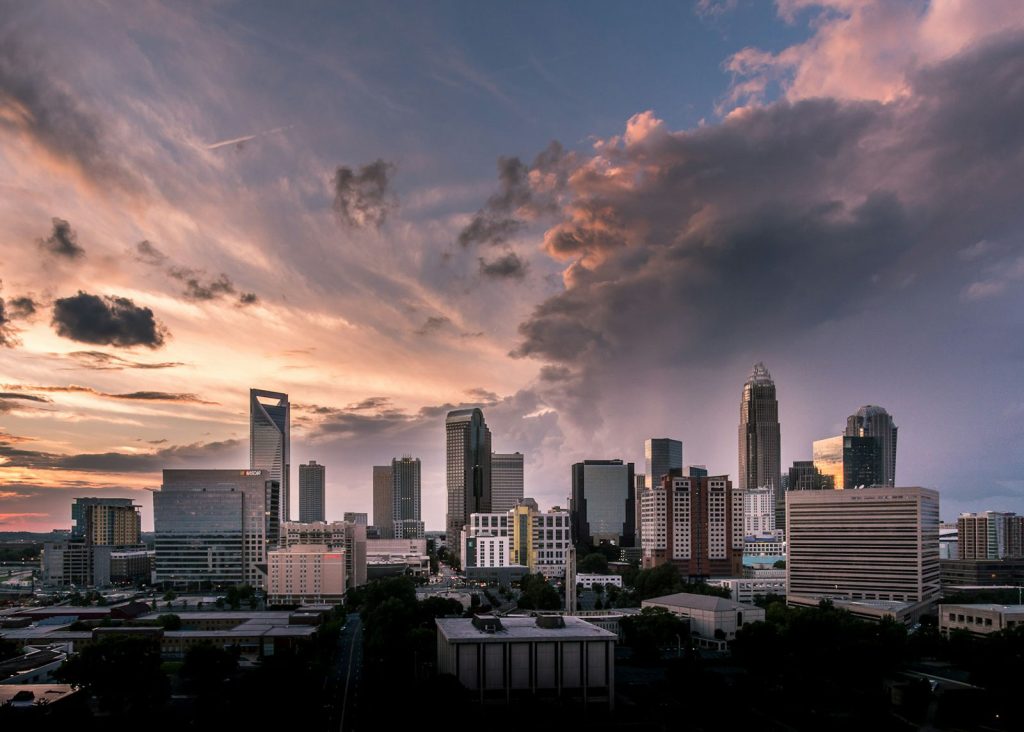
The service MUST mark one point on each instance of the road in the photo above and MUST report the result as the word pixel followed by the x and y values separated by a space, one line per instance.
pixel 346 675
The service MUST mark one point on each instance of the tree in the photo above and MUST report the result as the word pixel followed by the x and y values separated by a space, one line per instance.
pixel 170 621
pixel 595 563
pixel 207 666
pixel 780 564
pixel 170 595
pixel 537 594
pixel 121 671
pixel 651 629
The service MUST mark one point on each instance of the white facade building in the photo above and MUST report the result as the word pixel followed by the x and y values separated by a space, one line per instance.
pixel 758 511
pixel 589 580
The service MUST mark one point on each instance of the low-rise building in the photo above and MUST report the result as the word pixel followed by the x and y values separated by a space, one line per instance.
pixel 979 619
pixel 589 580
pixel 747 589
pixel 711 618
pixel 505 658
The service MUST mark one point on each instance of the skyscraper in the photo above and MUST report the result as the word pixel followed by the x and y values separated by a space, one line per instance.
pixel 661 454
pixel 468 455
pixel 873 421
pixel 804 476
pixel 760 457
pixel 312 481
pixel 270 440
pixel 383 501
pixel 847 462
pixel 603 503
pixel 405 496
pixel 506 481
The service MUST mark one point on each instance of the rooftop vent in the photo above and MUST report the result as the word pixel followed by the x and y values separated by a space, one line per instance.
pixel 550 622
pixel 486 623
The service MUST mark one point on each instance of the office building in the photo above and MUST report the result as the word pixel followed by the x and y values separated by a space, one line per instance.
pixel 501 659
pixel 603 503
pixel 270 441
pixel 804 476
pixel 956 574
pixel 389 557
pixel 695 523
pixel 758 511
pixel 383 501
pixel 868 544
pixel 848 462
pixel 468 458
pixel 106 521
pixel 214 527
pixel 709 617
pixel 312 483
pixel 980 619
pixel 990 535
pixel 760 457
pixel 552 542
pixel 526 537
pixel 355 518
pixel 334 535
pixel 71 561
pixel 661 454
pixel 304 574
pixel 874 422
pixel 405 496
pixel 506 480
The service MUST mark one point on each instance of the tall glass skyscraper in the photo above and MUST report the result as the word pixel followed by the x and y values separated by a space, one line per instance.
pixel 269 440
pixel 405 493
pixel 603 503
pixel 468 456
pixel 873 421
pixel 661 455
pixel 312 487
pixel 760 456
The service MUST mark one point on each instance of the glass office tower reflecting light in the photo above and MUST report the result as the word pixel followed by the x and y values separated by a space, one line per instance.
pixel 874 422
pixel 269 440
pixel 661 455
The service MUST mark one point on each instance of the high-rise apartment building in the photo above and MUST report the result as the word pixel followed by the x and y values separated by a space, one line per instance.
pixel 383 501
pixel 603 503
pixel 106 521
pixel 758 511
pixel 990 535
pixel 215 526
pixel 877 543
pixel 312 485
pixel 874 422
pixel 506 480
pixel 695 523
pixel 303 574
pixel 270 440
pixel 468 458
pixel 405 496
pixel 524 536
pixel 346 535
pixel 661 454
pixel 760 457
pixel 848 462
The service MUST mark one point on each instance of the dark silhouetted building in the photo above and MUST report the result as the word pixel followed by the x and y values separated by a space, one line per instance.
pixel 603 503
pixel 312 489
pixel 760 456
pixel 383 501
pixel 874 422
pixel 468 458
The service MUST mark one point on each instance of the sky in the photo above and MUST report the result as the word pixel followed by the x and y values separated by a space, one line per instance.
pixel 588 218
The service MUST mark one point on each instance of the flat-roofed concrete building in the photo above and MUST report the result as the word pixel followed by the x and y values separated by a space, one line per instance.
pixel 215 526
pixel 506 658
pixel 305 574
pixel 870 544
pixel 979 619
pixel 708 615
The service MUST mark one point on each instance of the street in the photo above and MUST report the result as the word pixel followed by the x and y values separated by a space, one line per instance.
pixel 346 675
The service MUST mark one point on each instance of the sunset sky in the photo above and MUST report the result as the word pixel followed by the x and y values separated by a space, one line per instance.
pixel 588 218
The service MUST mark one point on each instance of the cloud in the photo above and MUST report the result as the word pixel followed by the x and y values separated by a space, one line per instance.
pixel 434 324
pixel 22 391
pixel 107 320
pixel 7 331
pixel 36 105
pixel 198 453
pixel 147 253
pixel 9 402
pixel 100 361
pixel 22 308
pixel 524 193
pixel 248 298
pixel 62 241
pixel 508 266
pixel 363 197
pixel 377 402
pixel 682 247
pixel 198 288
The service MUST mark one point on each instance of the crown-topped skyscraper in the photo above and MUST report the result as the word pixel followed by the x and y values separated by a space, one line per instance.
pixel 760 457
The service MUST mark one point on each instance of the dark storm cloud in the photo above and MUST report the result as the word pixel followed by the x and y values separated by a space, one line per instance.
pixel 248 298
pixel 363 197
pixel 10 401
pixel 62 241
pixel 115 462
pixel 147 253
pixel 39 105
pixel 7 331
pixel 21 308
pixel 519 196
pixel 100 361
pixel 508 266
pixel 778 219
pixel 107 320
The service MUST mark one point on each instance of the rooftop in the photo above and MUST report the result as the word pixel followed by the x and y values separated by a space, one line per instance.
pixel 521 628
pixel 990 606
pixel 691 601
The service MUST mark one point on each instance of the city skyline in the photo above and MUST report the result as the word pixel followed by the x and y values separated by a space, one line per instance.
pixel 200 199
